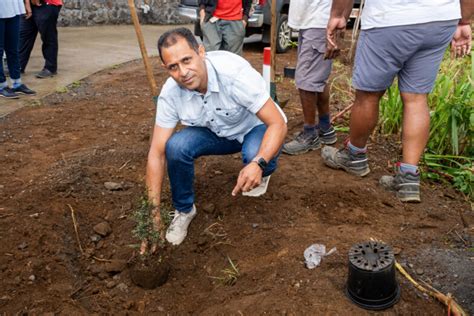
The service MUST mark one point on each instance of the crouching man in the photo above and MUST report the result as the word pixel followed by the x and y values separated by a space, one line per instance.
pixel 226 109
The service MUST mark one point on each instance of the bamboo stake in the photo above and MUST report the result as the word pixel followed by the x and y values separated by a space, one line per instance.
pixel 141 43
pixel 445 299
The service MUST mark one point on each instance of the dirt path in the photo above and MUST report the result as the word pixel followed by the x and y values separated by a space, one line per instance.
pixel 63 151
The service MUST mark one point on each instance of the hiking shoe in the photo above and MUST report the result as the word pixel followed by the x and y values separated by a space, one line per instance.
pixel 45 73
pixel 328 137
pixel 302 144
pixel 343 159
pixel 23 89
pixel 406 186
pixel 178 228
pixel 8 93
pixel 260 189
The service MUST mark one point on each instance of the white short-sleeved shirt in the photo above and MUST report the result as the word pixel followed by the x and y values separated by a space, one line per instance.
pixel 384 13
pixel 305 14
pixel 235 93
pixel 11 8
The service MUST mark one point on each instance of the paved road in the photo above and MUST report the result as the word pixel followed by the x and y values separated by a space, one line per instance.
pixel 82 52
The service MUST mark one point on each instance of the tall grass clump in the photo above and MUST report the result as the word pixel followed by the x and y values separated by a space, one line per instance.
pixel 450 149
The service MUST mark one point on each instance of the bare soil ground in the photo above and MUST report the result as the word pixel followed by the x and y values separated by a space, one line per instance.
pixel 62 152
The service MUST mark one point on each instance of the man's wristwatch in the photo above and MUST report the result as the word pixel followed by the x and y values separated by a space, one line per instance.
pixel 262 163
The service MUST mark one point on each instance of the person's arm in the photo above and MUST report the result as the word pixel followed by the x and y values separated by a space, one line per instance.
pixel 462 39
pixel 251 175
pixel 340 11
pixel 29 13
pixel 155 169
pixel 246 6
pixel 36 2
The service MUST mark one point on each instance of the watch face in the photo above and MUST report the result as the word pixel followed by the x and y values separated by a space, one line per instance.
pixel 262 163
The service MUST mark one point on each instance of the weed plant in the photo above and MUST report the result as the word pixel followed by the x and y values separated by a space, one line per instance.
pixel 450 149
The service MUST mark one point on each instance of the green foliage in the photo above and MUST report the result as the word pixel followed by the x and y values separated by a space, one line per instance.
pixel 450 147
pixel 144 223
pixel 229 275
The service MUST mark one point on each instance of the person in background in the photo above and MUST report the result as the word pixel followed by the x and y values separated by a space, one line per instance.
pixel 10 15
pixel 45 15
pixel 400 38
pixel 312 73
pixel 223 24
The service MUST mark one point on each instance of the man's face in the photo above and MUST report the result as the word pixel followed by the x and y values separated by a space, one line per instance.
pixel 185 65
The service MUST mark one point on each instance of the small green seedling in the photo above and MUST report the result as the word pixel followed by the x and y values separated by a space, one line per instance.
pixel 229 275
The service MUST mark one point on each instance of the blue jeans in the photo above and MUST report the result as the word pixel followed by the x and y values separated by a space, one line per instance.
pixel 9 41
pixel 190 143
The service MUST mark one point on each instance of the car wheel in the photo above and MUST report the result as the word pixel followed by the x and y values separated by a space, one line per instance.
pixel 283 34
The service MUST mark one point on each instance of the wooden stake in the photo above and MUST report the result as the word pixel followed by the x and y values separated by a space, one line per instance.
pixel 75 228
pixel 141 43
pixel 273 41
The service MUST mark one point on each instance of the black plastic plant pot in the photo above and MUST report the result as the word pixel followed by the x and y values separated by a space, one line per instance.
pixel 371 283
pixel 289 72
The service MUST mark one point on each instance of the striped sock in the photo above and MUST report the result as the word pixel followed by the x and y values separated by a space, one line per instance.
pixel 356 150
pixel 408 168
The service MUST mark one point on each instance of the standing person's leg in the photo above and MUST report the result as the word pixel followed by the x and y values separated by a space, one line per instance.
pixel 12 36
pixel 416 80
pixel 379 57
pixel 47 26
pixel 211 36
pixel 250 148
pixel 5 91
pixel 28 33
pixel 182 149
pixel 312 73
pixel 233 34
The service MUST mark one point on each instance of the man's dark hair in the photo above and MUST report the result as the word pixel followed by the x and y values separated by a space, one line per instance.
pixel 169 38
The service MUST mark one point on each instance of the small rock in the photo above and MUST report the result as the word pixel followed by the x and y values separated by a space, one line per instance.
pixel 411 265
pixel 254 225
pixel 34 215
pixel 209 207
pixel 103 229
pixel 110 284
pixel 115 266
pixel 22 246
pixel 161 309
pixel 32 277
pixel 113 186
pixel 419 271
pixel 123 287
pixel 455 275
pixel 128 304
pixel 95 238
pixel 297 285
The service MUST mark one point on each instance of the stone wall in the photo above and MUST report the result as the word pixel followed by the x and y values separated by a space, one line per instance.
pixel 94 12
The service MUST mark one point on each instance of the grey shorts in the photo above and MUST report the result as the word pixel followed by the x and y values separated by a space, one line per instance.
pixel 413 52
pixel 312 71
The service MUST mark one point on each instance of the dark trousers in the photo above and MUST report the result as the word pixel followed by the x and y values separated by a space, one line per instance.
pixel 44 21
pixel 9 34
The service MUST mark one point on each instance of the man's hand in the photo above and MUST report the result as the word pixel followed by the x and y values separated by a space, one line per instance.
pixel 334 35
pixel 36 2
pixel 249 177
pixel 245 23
pixel 461 43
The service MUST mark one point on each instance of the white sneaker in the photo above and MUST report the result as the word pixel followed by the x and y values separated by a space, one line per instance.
pixel 178 228
pixel 260 190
